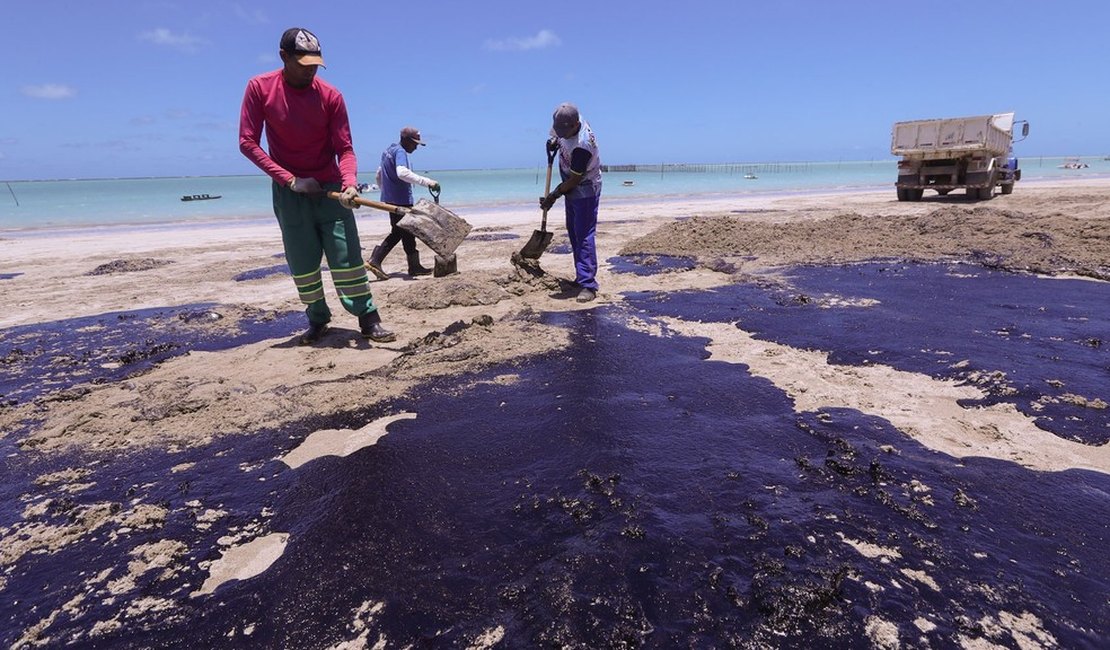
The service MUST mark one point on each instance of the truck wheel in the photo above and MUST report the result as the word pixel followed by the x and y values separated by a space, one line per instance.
pixel 1007 188
pixel 985 193
pixel 902 194
pixel 915 194
pixel 943 192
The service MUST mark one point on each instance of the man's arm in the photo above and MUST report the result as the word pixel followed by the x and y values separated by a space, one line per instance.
pixel 341 143
pixel 251 120
pixel 579 163
pixel 412 178
pixel 401 167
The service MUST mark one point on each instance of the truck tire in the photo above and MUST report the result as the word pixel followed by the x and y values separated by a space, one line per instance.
pixel 1007 188
pixel 915 194
pixel 902 194
pixel 985 193
pixel 943 192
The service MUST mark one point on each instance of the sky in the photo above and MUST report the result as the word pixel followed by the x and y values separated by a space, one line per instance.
pixel 153 88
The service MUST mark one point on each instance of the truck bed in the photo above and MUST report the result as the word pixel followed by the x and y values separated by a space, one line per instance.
pixel 989 134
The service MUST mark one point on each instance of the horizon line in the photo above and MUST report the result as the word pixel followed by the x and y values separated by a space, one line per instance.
pixel 891 158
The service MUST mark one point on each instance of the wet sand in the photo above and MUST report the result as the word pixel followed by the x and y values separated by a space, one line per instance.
pixel 488 316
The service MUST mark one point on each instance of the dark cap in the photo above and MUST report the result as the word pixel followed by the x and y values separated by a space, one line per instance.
pixel 303 44
pixel 411 133
pixel 565 119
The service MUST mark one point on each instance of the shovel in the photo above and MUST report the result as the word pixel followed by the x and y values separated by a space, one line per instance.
pixel 540 238
pixel 435 225
pixel 445 264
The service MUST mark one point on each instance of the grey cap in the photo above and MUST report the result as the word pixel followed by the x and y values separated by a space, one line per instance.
pixel 304 45
pixel 565 119
pixel 412 133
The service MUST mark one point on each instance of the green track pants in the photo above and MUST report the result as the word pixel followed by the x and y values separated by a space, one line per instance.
pixel 314 227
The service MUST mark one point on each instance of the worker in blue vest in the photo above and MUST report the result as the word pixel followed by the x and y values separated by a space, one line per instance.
pixel 396 178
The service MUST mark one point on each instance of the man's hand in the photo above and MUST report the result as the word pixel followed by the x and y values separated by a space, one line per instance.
pixel 306 186
pixel 347 197
pixel 434 187
pixel 552 145
pixel 547 201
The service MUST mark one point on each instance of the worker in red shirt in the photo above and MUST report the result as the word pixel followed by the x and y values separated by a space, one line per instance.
pixel 310 153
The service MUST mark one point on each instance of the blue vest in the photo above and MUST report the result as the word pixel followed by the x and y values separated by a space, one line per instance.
pixel 395 190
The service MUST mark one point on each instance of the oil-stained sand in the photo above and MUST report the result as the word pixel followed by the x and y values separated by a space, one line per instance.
pixel 590 477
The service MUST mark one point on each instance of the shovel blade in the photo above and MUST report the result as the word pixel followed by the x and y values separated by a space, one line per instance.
pixel 445 266
pixel 436 226
pixel 535 247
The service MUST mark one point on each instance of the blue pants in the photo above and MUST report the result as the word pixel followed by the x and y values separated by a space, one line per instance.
pixel 581 226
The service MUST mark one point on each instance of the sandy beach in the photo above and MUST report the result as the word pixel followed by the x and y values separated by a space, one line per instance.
pixel 1053 229
pixel 491 316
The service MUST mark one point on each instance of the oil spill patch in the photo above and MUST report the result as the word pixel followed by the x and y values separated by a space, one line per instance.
pixel 1031 341
pixel 10 276
pixel 258 274
pixel 52 358
pixel 651 264
pixel 625 491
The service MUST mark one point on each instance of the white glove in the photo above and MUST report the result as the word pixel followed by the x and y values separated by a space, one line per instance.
pixel 347 197
pixel 305 186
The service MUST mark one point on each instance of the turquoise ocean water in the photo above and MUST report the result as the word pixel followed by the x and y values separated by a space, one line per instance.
pixel 83 203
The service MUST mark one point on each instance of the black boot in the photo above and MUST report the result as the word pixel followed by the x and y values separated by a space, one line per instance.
pixel 371 326
pixel 375 263
pixel 414 264
pixel 314 332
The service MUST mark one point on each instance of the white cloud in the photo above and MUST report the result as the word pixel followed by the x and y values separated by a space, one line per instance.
pixel 543 39
pixel 163 36
pixel 49 91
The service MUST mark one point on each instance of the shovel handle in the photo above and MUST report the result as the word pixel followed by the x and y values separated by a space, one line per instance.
pixel 378 205
pixel 547 187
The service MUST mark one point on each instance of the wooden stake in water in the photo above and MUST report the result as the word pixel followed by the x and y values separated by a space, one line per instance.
pixel 13 193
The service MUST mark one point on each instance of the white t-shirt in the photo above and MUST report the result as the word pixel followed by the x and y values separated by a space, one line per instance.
pixel 591 181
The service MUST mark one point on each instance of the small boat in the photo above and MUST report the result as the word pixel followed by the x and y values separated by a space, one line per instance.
pixel 628 183
pixel 750 176
pixel 200 197
pixel 1073 163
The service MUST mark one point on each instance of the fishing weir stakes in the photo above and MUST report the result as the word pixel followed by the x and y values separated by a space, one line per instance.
pixel 722 168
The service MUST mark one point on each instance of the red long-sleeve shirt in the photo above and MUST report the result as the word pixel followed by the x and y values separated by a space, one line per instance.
pixel 307 130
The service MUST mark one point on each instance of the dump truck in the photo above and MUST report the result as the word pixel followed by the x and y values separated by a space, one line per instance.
pixel 970 153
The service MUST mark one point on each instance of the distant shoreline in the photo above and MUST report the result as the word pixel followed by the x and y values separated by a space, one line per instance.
pixel 518 212
pixel 886 160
